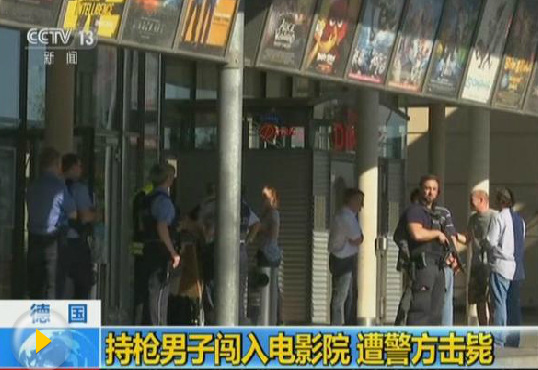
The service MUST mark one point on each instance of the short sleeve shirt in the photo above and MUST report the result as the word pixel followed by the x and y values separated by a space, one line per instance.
pixel 345 227
pixel 162 208
pixel 83 202
pixel 417 214
pixel 49 204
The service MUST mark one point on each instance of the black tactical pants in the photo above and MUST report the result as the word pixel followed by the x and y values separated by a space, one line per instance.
pixel 427 294
pixel 43 274
pixel 157 275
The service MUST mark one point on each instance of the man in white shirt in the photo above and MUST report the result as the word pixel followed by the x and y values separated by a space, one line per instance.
pixel 344 239
pixel 500 248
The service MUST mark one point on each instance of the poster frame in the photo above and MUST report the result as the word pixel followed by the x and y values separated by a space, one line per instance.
pixel 356 39
pixel 314 20
pixel 303 68
pixel 503 47
pixel 63 11
pixel 177 45
pixel 123 25
pixel 523 98
pixel 465 65
pixel 420 86
pixel 526 98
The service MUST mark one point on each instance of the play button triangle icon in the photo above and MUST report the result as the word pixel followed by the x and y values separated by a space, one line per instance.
pixel 41 341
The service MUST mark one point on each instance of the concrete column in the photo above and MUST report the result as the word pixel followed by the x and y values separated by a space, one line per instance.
pixel 478 171
pixel 60 104
pixel 437 144
pixel 367 169
pixel 229 180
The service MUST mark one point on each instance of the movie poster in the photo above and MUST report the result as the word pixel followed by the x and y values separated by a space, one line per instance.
pixel 40 13
pixel 7 186
pixel 286 30
pixel 101 15
pixel 330 45
pixel 519 56
pixel 152 22
pixel 377 34
pixel 487 50
pixel 451 50
pixel 415 44
pixel 206 25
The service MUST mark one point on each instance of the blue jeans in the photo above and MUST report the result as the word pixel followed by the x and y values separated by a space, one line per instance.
pixel 342 287
pixel 514 317
pixel 499 295
pixel 448 307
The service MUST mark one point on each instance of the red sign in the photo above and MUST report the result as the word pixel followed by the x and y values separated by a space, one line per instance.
pixel 343 137
pixel 269 132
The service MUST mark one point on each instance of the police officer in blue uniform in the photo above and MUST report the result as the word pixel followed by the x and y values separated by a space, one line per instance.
pixel 49 208
pixel 159 217
pixel 76 258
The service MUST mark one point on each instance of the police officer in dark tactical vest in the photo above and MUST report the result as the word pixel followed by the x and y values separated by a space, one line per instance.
pixel 159 217
pixel 76 263
pixel 427 246
pixel 49 207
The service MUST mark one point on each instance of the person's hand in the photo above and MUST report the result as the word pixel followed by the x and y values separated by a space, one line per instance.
pixel 442 238
pixel 452 262
pixel 175 259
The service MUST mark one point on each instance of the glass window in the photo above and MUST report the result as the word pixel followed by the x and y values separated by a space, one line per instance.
pixel 252 84
pixel 9 77
pixel 178 79
pixel 276 129
pixel 96 88
pixel 36 87
pixel 205 132
pixel 207 81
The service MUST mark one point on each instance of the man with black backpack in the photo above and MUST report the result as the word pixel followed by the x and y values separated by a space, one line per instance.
pixel 76 262
pixel 159 220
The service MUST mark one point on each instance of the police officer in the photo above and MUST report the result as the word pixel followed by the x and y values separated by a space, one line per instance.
pixel 77 264
pixel 49 208
pixel 159 217
pixel 427 245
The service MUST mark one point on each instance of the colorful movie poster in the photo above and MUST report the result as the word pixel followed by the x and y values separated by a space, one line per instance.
pixel 152 22
pixel 286 30
pixel 101 15
pixel 415 44
pixel 40 13
pixel 487 50
pixel 330 45
pixel 519 56
pixel 206 25
pixel 377 34
pixel 451 50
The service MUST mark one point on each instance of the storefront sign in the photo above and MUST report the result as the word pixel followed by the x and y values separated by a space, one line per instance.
pixel 152 22
pixel 330 45
pixel 103 15
pixel 487 51
pixel 206 25
pixel 415 44
pixel 343 137
pixel 519 56
pixel 284 38
pixel 452 46
pixel 40 13
pixel 269 132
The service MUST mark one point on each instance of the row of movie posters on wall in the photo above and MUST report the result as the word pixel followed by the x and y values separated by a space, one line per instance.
pixel 204 27
pixel 480 51
pixel 420 46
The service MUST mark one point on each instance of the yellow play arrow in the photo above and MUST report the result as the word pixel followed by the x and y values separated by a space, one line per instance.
pixel 41 341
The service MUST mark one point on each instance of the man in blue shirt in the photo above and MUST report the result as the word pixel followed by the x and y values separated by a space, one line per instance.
pixel 76 257
pixel 159 217
pixel 49 208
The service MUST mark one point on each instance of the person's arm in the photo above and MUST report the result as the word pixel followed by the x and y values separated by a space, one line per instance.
pixel 163 212
pixel 275 225
pixel 354 233
pixel 420 234
pixel 253 227
pixel 493 237
pixel 86 211
pixel 356 242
